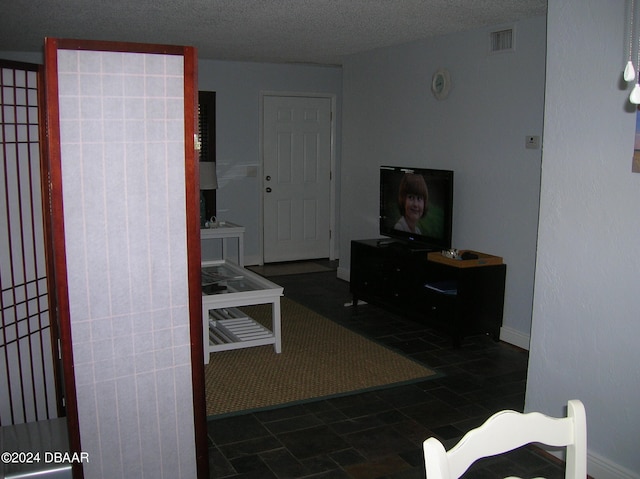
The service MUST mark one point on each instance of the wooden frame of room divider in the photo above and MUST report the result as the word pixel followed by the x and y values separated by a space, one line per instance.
pixel 166 361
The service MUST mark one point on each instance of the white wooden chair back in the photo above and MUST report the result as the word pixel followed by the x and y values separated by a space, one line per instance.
pixel 508 430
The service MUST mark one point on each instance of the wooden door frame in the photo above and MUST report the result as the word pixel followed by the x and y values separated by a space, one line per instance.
pixel 332 166
pixel 54 157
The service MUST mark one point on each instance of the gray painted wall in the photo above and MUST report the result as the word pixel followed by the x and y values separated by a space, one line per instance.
pixel 586 314
pixel 238 87
pixel 390 117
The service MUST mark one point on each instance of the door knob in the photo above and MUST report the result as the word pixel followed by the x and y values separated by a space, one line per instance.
pixel 268 190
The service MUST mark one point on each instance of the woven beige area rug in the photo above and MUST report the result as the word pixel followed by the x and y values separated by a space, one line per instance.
pixel 319 359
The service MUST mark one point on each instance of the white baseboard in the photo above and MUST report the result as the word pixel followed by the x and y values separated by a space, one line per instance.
pixel 600 467
pixel 508 335
pixel 515 337
pixel 252 260
pixel 344 273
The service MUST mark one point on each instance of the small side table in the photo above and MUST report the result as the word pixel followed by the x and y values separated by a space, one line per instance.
pixel 223 232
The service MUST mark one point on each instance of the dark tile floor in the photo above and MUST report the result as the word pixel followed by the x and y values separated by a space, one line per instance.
pixel 380 434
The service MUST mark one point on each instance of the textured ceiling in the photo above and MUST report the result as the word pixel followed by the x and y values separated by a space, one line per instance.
pixel 297 31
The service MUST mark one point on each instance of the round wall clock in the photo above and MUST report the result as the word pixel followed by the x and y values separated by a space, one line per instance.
pixel 441 84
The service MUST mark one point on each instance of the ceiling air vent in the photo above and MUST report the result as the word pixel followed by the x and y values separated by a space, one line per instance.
pixel 502 41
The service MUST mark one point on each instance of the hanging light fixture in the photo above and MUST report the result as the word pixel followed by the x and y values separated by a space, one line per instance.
pixel 634 97
pixel 629 70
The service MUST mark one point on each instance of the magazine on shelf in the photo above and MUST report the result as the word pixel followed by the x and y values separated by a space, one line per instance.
pixel 210 277
pixel 445 287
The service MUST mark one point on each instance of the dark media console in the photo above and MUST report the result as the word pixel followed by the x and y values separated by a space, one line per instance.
pixel 460 297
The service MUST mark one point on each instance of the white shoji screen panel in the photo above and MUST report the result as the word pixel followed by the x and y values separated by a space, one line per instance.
pixel 27 382
pixel 123 176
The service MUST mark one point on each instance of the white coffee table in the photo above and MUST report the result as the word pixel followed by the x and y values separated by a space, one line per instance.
pixel 225 327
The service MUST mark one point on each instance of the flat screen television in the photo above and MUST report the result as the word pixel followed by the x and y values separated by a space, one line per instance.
pixel 416 205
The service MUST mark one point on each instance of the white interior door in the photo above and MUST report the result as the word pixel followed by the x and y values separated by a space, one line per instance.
pixel 296 177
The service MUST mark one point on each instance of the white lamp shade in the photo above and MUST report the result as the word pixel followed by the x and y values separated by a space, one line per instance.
pixel 208 176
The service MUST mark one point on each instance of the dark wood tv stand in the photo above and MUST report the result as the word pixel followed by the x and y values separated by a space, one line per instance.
pixel 461 297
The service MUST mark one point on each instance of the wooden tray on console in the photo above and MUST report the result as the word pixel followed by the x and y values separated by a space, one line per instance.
pixel 483 259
